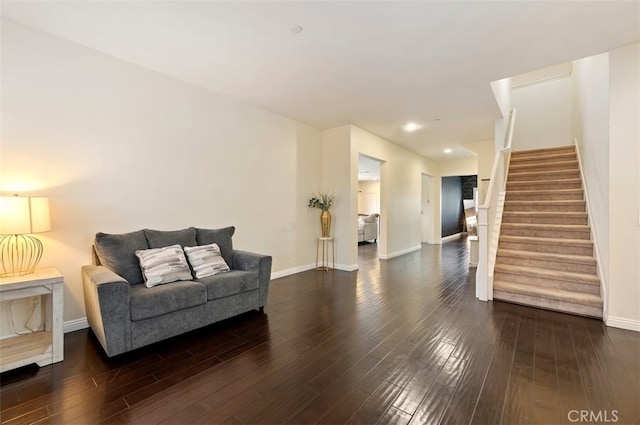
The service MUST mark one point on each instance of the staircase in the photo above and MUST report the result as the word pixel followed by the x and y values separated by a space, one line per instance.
pixel 545 254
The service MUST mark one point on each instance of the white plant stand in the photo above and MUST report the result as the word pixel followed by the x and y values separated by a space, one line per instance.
pixel 327 247
pixel 42 347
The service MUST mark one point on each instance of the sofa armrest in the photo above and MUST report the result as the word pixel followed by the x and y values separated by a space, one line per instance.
pixel 106 300
pixel 248 261
pixel 370 231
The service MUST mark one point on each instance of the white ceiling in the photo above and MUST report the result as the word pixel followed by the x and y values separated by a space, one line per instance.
pixel 375 64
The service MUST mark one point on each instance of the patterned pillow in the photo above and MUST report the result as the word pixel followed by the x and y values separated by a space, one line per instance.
pixel 206 260
pixel 163 265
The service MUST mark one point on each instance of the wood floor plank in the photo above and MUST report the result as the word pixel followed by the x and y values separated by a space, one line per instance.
pixel 376 405
pixel 545 408
pixel 517 405
pixel 340 412
pixel 490 406
pixel 334 393
pixel 465 396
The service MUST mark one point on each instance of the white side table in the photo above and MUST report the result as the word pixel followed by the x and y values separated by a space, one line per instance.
pixel 42 347
pixel 327 246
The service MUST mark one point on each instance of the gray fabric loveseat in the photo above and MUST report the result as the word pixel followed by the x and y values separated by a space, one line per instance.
pixel 125 314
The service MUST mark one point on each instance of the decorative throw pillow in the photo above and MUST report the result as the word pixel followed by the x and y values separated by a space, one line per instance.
pixel 206 260
pixel 163 265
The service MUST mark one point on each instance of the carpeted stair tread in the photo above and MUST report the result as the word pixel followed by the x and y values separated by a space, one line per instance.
pixel 553 194
pixel 545 151
pixel 570 165
pixel 553 241
pixel 545 217
pixel 521 170
pixel 564 258
pixel 544 182
pixel 549 274
pixel 552 157
pixel 550 203
pixel 545 191
pixel 534 226
pixel 547 213
pixel 549 293
pixel 544 175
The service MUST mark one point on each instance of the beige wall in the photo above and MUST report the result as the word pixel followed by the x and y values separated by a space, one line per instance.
pixel 591 131
pixel 485 151
pixel 459 167
pixel 337 178
pixel 624 187
pixel 502 92
pixel 118 148
pixel 308 180
pixel 368 187
pixel 543 114
pixel 606 116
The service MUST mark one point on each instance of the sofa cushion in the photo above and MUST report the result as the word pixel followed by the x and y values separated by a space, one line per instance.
pixel 162 299
pixel 221 237
pixel 161 238
pixel 372 218
pixel 206 260
pixel 231 283
pixel 163 265
pixel 117 252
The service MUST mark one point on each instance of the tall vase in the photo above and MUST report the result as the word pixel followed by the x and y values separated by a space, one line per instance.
pixel 325 224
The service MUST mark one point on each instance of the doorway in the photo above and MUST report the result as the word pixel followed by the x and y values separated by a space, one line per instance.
pixel 369 203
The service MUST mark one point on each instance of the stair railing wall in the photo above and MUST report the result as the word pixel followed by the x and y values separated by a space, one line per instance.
pixel 490 215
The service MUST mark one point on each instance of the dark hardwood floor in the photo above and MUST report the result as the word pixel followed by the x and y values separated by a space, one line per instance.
pixel 402 341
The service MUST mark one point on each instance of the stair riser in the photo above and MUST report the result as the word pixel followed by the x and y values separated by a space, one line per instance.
pixel 519 177
pixel 544 303
pixel 546 233
pixel 547 159
pixel 547 248
pixel 511 207
pixel 538 196
pixel 530 219
pixel 543 185
pixel 546 151
pixel 548 283
pixel 547 264
pixel 544 166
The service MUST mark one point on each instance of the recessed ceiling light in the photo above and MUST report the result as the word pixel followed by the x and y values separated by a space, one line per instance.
pixel 448 150
pixel 411 126
pixel 295 29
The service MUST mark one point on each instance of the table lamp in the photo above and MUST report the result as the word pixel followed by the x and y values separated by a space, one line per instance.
pixel 20 216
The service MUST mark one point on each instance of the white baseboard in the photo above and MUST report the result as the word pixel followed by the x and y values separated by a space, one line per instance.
pixel 299 269
pixel 75 325
pixel 622 323
pixel 346 267
pixel 452 237
pixel 398 253
pixel 292 270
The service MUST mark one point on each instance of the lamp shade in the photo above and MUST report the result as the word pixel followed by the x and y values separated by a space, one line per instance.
pixel 21 215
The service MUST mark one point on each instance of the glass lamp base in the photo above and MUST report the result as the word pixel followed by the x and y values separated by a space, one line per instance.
pixel 19 254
